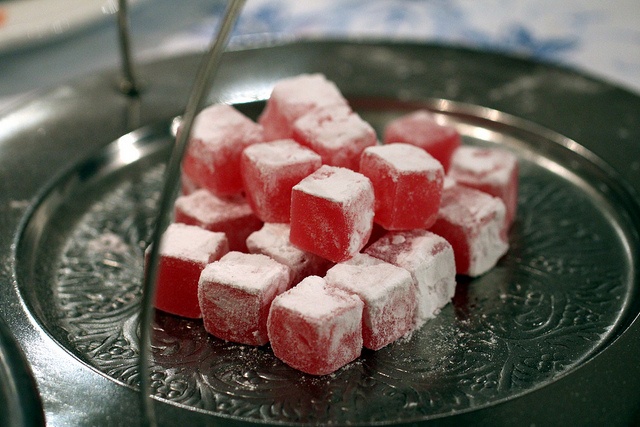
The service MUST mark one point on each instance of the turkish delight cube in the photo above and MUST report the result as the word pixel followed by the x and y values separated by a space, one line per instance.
pixel 212 159
pixel 492 170
pixel 232 216
pixel 187 186
pixel 316 328
pixel 235 295
pixel 184 252
pixel 291 98
pixel 407 182
pixel 387 292
pixel 472 221
pixel 430 260
pixel 332 213
pixel 421 128
pixel 273 240
pixel 337 133
pixel 269 172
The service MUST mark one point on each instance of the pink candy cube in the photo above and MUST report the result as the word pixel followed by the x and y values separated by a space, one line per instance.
pixel 269 172
pixel 293 97
pixel 472 221
pixel 316 328
pixel 332 213
pixel 492 170
pixel 232 216
pixel 273 240
pixel 336 133
pixel 388 294
pixel 187 186
pixel 212 160
pixel 429 258
pixel 408 185
pixel 185 250
pixel 420 128
pixel 235 295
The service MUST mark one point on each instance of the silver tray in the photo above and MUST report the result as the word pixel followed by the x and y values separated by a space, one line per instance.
pixel 547 337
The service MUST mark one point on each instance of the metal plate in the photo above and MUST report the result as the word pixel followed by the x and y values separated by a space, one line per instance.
pixel 562 303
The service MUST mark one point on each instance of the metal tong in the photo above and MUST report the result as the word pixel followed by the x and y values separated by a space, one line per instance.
pixel 130 86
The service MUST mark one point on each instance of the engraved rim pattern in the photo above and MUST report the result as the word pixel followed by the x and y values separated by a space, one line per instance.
pixel 550 304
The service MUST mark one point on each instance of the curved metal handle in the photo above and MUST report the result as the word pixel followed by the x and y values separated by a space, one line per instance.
pixel 129 83
pixel 201 88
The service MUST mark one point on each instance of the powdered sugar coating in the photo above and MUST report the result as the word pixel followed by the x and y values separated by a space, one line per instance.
pixel 212 160
pixel 407 182
pixel 291 98
pixel 251 273
pixel 337 133
pixel 317 302
pixel 486 165
pixel 270 170
pixel 406 158
pixel 340 185
pixel 421 128
pixel 479 218
pixel 232 215
pixel 209 208
pixel 316 328
pixel 492 170
pixel 332 213
pixel 273 240
pixel 369 277
pixel 388 294
pixel 191 243
pixel 430 260
pixel 279 153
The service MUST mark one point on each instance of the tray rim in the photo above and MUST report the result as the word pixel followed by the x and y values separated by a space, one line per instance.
pixel 632 323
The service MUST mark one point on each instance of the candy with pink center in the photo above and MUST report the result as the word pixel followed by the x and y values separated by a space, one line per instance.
pixel 269 172
pixel 212 160
pixel 332 213
pixel 273 240
pixel 407 182
pixel 492 170
pixel 235 295
pixel 430 260
pixel 316 328
pixel 420 128
pixel 184 252
pixel 388 294
pixel 293 97
pixel 232 216
pixel 337 133
pixel 472 221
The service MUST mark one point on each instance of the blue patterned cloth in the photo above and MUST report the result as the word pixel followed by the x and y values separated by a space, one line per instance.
pixel 600 38
pixel 597 37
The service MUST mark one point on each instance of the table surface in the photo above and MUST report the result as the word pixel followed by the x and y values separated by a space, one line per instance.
pixel 599 38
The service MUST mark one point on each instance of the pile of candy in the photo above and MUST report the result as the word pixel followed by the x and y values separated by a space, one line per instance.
pixel 305 231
